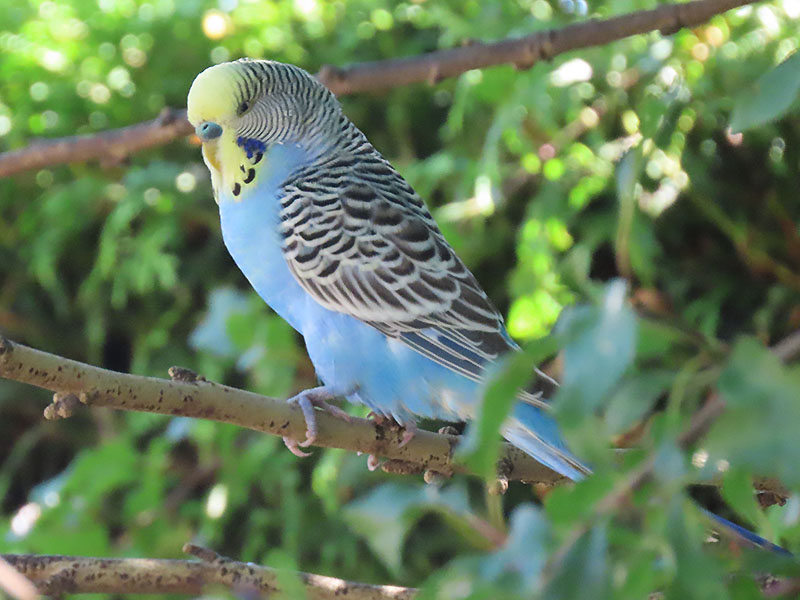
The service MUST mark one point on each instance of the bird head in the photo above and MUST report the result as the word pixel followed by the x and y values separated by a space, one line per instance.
pixel 240 109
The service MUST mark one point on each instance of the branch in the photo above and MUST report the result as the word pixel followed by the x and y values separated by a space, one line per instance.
pixel 56 575
pixel 109 147
pixel 112 146
pixel 785 588
pixel 522 52
pixel 788 348
pixel 77 383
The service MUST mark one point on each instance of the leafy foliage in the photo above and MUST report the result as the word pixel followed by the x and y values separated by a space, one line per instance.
pixel 554 185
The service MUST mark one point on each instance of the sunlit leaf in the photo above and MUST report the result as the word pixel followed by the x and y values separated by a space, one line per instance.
pixel 770 97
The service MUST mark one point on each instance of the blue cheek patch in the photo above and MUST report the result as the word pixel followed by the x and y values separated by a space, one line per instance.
pixel 251 146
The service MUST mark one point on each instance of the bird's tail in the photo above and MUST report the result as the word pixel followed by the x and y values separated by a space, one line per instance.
pixel 537 434
pixel 739 534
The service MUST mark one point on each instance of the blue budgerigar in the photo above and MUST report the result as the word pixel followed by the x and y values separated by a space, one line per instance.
pixel 336 241
pixel 339 244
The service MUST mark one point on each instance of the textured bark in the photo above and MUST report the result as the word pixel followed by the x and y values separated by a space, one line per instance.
pixel 57 575
pixel 76 384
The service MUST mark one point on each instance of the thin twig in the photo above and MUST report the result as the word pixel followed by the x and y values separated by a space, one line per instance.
pixel 782 588
pixel 76 384
pixel 113 146
pixel 55 575
pixel 788 348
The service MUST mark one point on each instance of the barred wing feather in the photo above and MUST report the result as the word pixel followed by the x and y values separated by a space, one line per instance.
pixel 360 241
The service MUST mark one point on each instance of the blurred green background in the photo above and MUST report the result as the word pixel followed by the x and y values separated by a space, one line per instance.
pixel 551 184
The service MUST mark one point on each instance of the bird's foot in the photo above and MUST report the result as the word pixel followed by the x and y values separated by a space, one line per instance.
pixel 308 400
pixel 448 430
pixel 377 418
pixel 409 431
pixel 373 462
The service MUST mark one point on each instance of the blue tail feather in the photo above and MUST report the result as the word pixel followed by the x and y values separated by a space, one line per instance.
pixel 740 534
pixel 537 434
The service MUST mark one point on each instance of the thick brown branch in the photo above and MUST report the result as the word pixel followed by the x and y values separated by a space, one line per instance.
pixel 56 575
pixel 76 383
pixel 114 145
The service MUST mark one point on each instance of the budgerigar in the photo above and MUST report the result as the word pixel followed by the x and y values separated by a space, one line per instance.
pixel 336 241
pixel 339 245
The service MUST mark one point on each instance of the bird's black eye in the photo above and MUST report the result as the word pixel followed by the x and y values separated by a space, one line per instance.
pixel 243 108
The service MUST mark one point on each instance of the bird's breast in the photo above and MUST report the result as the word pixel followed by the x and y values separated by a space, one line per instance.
pixel 250 228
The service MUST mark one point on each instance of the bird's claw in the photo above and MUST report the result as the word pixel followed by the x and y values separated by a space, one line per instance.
pixel 409 432
pixel 294 448
pixel 307 400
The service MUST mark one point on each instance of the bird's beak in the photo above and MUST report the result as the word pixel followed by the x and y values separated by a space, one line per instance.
pixel 210 156
pixel 207 131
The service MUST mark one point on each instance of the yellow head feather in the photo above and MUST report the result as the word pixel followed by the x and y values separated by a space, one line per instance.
pixel 267 100
pixel 214 94
pixel 214 97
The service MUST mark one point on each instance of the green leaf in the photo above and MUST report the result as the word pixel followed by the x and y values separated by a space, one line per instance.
pixel 585 567
pixel 480 448
pixel 758 430
pixel 600 346
pixel 512 572
pixel 524 553
pixel 212 334
pixel 697 575
pixel 737 489
pixel 634 398
pixel 290 585
pixel 385 516
pixel 770 97
pixel 627 176
pixel 565 503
